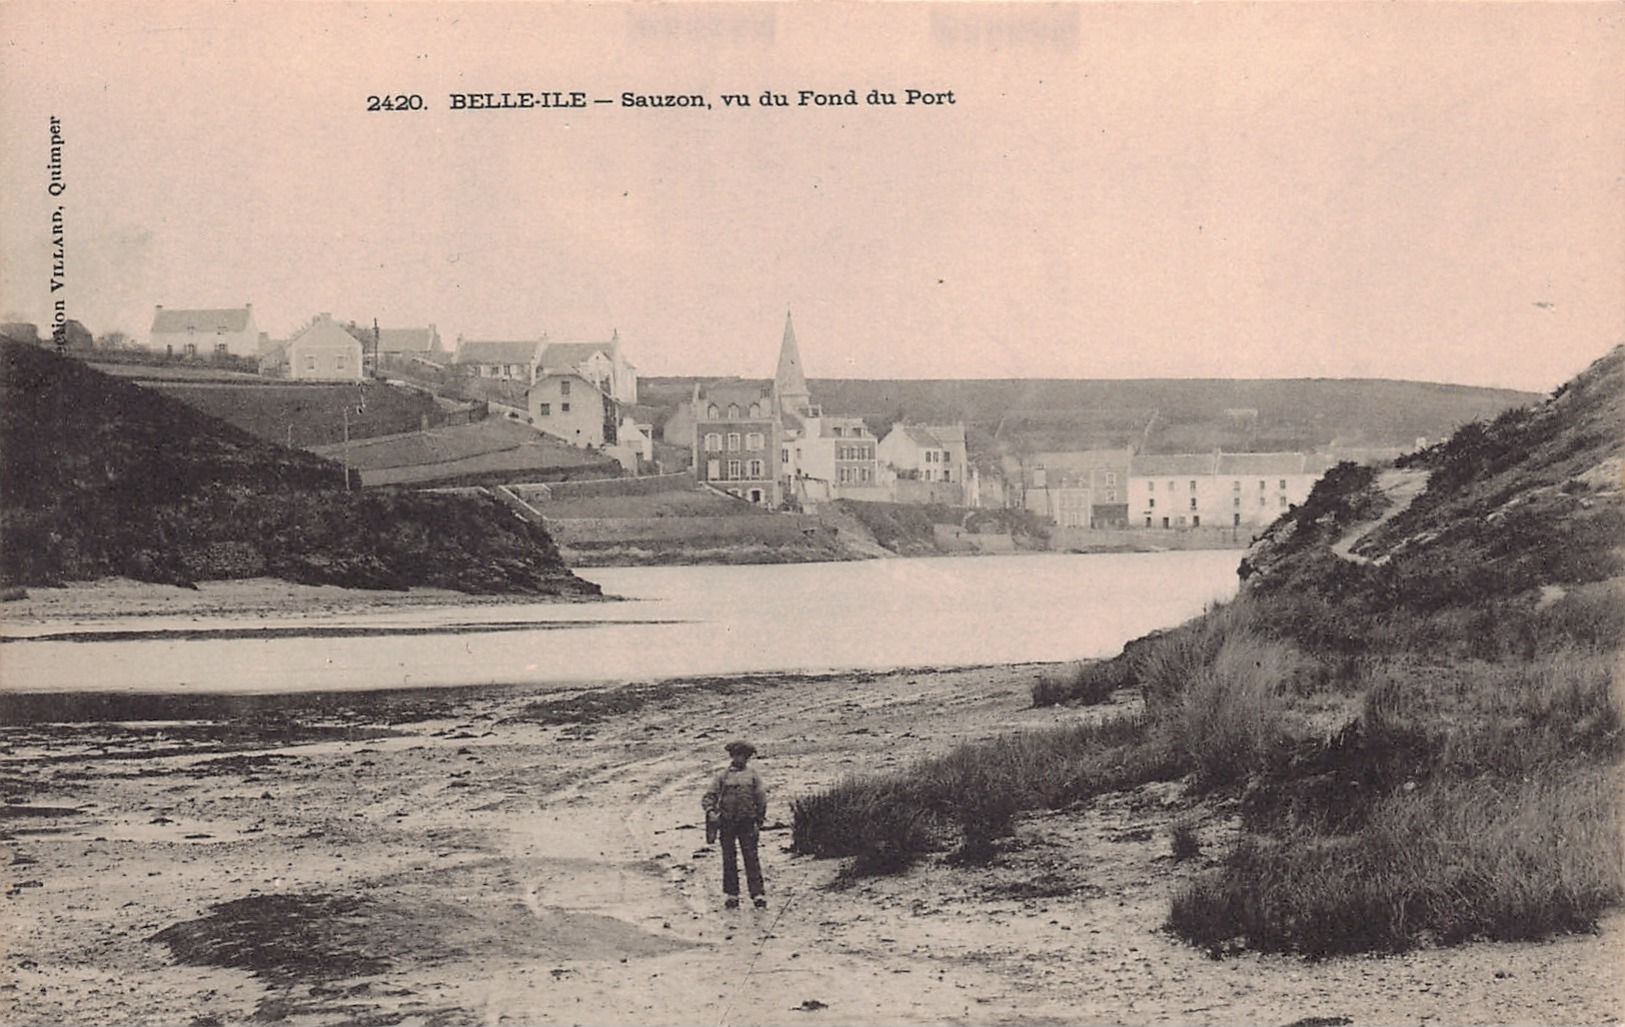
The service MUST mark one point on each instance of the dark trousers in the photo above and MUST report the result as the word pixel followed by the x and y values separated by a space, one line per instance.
pixel 740 836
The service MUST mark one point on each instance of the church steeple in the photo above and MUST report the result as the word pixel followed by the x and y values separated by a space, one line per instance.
pixel 790 384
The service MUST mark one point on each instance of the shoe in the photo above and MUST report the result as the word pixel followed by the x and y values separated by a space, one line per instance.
pixel 761 903
pixel 732 903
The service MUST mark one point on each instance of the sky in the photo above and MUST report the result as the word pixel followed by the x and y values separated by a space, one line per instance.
pixel 1428 191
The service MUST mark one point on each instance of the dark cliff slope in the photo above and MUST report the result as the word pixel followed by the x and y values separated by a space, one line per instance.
pixel 99 477
pixel 1518 510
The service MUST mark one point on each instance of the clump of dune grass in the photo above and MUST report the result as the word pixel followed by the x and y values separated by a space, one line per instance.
pixel 1231 717
pixel 967 799
pixel 1183 840
pixel 1086 684
pixel 1450 861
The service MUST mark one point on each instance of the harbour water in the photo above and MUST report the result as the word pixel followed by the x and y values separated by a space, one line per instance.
pixel 674 622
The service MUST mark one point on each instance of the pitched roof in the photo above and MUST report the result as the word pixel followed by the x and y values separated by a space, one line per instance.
pixel 573 354
pixel 485 351
pixel 323 330
pixel 1082 460
pixel 1158 465
pixel 1261 463
pixel 229 319
pixel 724 392
pixel 397 340
pixel 934 436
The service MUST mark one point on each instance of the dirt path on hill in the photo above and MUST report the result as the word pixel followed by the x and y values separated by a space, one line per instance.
pixel 488 857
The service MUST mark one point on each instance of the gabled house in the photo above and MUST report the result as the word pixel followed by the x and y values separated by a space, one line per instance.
pixel 397 347
pixel 324 351
pixel 932 453
pixel 569 406
pixel 204 332
pixel 516 360
pixel 601 363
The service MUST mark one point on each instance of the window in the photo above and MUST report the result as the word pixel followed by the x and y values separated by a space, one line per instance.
pixel 1193 502
pixel 220 348
pixel 846 475
pixel 947 475
pixel 564 387
pixel 1193 485
pixel 784 456
pixel 713 442
pixel 564 408
pixel 1170 486
pixel 755 441
pixel 1282 503
pixel 733 411
pixel 1151 503
pixel 1282 485
pixel 1148 522
pixel 755 410
pixel 1196 521
pixel 310 362
pixel 1260 500
pixel 713 470
pixel 1261 486
pixel 1151 486
pixel 1236 502
pixel 755 468
pixel 733 441
pixel 755 495
pixel 1235 485
pixel 544 410
pixel 839 431
pixel 338 362
pixel 1111 477
pixel 1111 495
pixel 711 412
pixel 733 468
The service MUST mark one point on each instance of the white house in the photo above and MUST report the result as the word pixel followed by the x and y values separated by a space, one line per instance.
pixel 1222 490
pixel 568 406
pixel 601 363
pixel 934 454
pixel 324 351
pixel 203 333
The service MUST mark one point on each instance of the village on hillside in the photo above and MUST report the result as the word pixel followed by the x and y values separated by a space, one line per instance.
pixel 537 415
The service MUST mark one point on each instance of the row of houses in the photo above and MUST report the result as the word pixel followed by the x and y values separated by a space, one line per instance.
pixel 1118 488
pixel 774 446
pixel 579 392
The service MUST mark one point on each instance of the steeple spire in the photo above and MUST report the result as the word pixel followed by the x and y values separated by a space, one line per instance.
pixel 790 384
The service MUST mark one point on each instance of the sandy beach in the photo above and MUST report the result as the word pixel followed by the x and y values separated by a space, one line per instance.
pixel 535 855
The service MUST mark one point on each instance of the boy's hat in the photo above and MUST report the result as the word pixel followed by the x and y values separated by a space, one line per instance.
pixel 740 748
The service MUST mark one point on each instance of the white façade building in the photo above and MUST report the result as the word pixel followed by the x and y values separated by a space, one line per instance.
pixel 187 332
pixel 324 350
pixel 1219 490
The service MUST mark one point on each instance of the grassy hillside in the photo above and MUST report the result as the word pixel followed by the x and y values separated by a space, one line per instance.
pixel 309 415
pixel 101 477
pixel 1157 415
pixel 1412 710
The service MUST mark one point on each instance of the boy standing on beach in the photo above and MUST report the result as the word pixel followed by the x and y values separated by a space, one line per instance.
pixel 738 802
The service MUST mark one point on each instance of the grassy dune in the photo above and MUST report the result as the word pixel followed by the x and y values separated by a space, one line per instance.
pixel 1425 737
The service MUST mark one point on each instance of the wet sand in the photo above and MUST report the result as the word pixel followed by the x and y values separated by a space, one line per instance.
pixel 536 856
